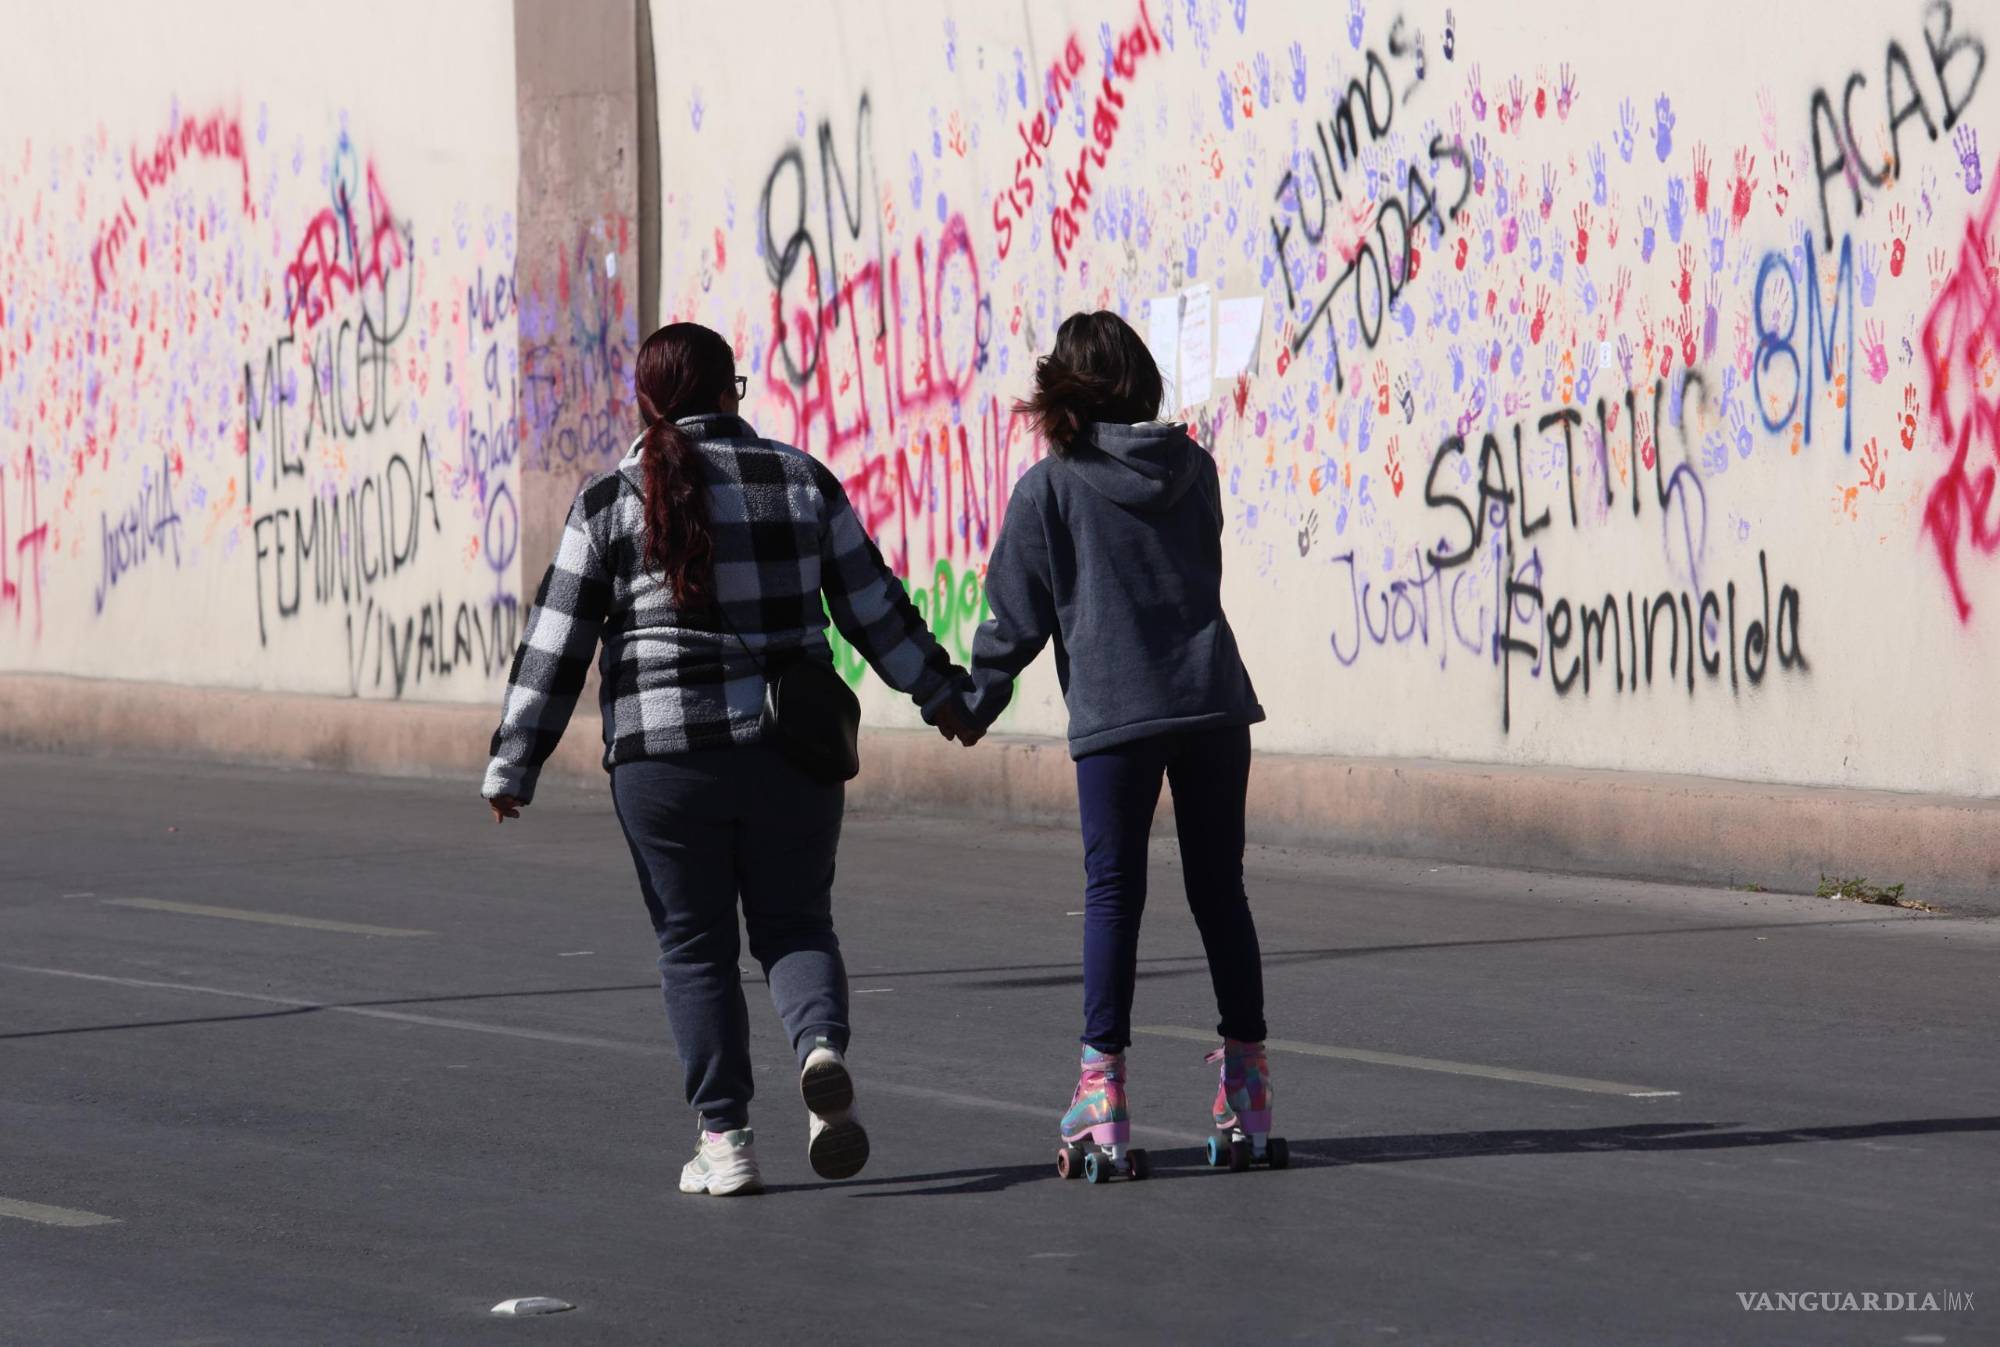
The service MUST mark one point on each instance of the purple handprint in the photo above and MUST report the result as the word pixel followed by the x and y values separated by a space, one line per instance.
pixel 1474 95
pixel 1241 11
pixel 1228 100
pixel 1298 55
pixel 1867 257
pixel 1598 186
pixel 1717 240
pixel 1548 190
pixel 1450 36
pixel 1628 129
pixel 1677 203
pixel 1356 13
pixel 1966 141
pixel 1663 128
pixel 1262 65
pixel 1649 214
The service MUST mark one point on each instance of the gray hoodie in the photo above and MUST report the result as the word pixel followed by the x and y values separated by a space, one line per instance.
pixel 1115 553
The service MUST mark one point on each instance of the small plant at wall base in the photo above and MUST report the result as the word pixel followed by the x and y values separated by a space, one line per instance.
pixel 1861 891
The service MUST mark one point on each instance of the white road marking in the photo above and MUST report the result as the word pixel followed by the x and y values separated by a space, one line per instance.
pixel 267 918
pixel 1507 1073
pixel 870 991
pixel 44 1215
pixel 79 895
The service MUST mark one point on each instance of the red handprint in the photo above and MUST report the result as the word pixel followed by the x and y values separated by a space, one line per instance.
pixel 1781 176
pixel 1684 327
pixel 1909 431
pixel 1541 315
pixel 1899 229
pixel 1741 187
pixel 1582 218
pixel 1460 256
pixel 1611 222
pixel 1686 286
pixel 1381 388
pixel 1701 165
pixel 1871 466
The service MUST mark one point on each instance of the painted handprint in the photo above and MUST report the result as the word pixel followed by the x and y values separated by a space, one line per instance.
pixel 1742 186
pixel 1541 314
pixel 1899 233
pixel 1649 215
pixel 1542 92
pixel 1548 201
pixel 1686 285
pixel 1628 129
pixel 1866 268
pixel 1781 181
pixel 1598 184
pixel 1450 34
pixel 1582 218
pixel 1473 94
pixel 1966 141
pixel 1298 56
pixel 1701 168
pixel 1611 222
pixel 1228 100
pixel 1872 474
pixel 1683 327
pixel 1262 67
pixel 1908 430
pixel 1663 128
pixel 1767 116
pixel 1711 317
pixel 1676 208
pixel 1357 14
pixel 1517 99
pixel 1871 345
pixel 1566 92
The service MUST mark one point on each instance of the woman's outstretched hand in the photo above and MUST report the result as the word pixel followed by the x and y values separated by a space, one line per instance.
pixel 504 807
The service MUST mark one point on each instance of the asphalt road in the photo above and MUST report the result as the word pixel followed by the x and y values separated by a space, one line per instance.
pixel 1600 1112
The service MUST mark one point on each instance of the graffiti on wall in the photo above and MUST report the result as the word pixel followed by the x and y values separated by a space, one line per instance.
pixel 1571 374
pixel 249 396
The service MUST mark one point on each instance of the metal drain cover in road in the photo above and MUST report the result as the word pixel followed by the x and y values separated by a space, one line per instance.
pixel 527 1305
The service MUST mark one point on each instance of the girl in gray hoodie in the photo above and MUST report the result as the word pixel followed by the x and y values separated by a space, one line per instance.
pixel 1112 549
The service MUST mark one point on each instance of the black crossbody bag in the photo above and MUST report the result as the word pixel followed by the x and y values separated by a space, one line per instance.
pixel 810 714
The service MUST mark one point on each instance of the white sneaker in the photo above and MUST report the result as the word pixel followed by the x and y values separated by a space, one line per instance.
pixel 838 1146
pixel 725 1166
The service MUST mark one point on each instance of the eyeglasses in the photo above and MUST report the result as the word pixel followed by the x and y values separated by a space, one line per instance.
pixel 742 386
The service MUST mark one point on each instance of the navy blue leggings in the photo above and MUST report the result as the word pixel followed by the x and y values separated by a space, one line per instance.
pixel 1117 791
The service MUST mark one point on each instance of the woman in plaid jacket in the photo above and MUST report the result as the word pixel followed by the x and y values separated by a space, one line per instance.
pixel 706 556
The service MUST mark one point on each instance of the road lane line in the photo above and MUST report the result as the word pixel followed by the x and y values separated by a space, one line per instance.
pixel 267 918
pixel 1507 1073
pixel 44 1215
pixel 571 1040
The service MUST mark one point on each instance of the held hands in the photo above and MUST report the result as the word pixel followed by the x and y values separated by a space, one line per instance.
pixel 954 723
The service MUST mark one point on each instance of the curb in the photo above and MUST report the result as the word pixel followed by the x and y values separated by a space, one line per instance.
pixel 1635 825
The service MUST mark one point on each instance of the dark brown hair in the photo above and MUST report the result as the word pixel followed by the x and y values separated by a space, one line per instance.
pixel 1099 371
pixel 684 369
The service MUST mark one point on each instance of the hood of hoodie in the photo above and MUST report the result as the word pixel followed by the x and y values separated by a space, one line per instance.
pixel 1147 467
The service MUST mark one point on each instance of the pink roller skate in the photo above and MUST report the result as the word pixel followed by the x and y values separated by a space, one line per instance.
pixel 1098 1126
pixel 1243 1111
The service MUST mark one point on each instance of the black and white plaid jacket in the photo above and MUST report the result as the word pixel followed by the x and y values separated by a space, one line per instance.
pixel 674 680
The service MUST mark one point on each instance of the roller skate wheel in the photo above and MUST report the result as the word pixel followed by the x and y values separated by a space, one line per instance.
pixel 1138 1164
pixel 1277 1154
pixel 1239 1155
pixel 1094 1168
pixel 1069 1162
pixel 1218 1151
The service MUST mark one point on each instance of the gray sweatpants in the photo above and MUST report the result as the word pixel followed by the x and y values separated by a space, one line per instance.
pixel 707 828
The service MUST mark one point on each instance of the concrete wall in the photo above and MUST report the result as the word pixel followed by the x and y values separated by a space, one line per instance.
pixel 259 346
pixel 308 332
pixel 1654 374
